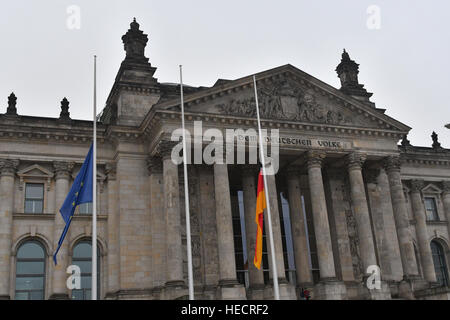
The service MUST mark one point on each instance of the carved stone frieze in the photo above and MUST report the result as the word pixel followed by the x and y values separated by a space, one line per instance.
pixel 8 166
pixel 154 165
pixel 286 101
pixel 314 158
pixel 392 163
pixel 63 169
pixel 417 185
pixel 355 160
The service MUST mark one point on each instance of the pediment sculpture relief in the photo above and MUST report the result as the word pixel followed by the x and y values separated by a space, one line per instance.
pixel 286 102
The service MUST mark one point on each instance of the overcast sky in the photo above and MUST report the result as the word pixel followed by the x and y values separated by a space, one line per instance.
pixel 405 62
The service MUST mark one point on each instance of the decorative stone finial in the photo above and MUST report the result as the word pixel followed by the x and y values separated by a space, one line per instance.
pixel 65 114
pixel 134 44
pixel 436 144
pixel 348 71
pixel 405 142
pixel 12 101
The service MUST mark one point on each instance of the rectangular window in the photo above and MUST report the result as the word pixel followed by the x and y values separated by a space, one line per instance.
pixel 239 241
pixel 34 198
pixel 431 209
pixel 85 208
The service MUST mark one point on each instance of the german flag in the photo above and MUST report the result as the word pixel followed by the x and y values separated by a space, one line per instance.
pixel 260 206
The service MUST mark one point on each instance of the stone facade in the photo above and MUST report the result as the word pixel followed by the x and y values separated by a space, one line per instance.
pixel 354 197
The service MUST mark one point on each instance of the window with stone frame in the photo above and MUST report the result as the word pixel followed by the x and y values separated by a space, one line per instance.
pixel 85 208
pixel 82 257
pixel 440 264
pixel 286 236
pixel 431 209
pixel 239 240
pixel 30 271
pixel 34 198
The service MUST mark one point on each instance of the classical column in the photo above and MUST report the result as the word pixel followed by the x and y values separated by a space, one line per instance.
pixel 174 253
pixel 227 264
pixel 113 230
pixel 378 193
pixel 421 230
pixel 225 237
pixel 155 170
pixel 361 210
pixel 59 277
pixel 7 173
pixel 299 234
pixel 392 166
pixel 256 277
pixel 328 287
pixel 320 215
pixel 446 201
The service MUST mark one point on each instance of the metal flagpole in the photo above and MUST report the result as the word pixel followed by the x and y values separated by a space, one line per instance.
pixel 186 196
pixel 266 191
pixel 94 192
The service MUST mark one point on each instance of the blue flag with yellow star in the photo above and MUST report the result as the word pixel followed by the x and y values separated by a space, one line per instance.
pixel 81 192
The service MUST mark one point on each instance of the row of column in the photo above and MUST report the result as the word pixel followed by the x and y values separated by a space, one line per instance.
pixel 389 179
pixel 313 160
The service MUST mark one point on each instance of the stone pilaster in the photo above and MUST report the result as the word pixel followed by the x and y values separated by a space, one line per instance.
pixel 421 231
pixel 329 287
pixel 340 204
pixel 208 227
pixel 287 291
pixel 320 215
pixel 7 173
pixel 256 277
pixel 113 230
pixel 174 255
pixel 361 210
pixel 392 165
pixel 299 234
pixel 158 225
pixel 373 198
pixel 389 226
pixel 229 286
pixel 446 201
pixel 62 184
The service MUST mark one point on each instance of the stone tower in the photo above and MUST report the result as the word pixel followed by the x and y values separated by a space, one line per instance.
pixel 348 71
pixel 135 90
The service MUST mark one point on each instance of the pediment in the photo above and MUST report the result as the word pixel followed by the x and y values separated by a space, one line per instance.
pixel 431 188
pixel 288 94
pixel 35 171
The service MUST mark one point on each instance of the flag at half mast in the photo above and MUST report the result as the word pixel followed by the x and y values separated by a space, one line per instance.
pixel 81 192
pixel 259 219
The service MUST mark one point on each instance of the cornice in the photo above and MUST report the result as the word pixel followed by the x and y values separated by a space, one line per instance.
pixel 72 134
pixel 423 161
pixel 220 119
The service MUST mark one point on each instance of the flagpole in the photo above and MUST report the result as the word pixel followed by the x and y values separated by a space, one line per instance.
pixel 186 196
pixel 94 192
pixel 266 191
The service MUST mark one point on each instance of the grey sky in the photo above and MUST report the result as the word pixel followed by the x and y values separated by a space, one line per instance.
pixel 405 63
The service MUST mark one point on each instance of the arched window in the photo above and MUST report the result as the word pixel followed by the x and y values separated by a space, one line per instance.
pixel 440 266
pixel 82 257
pixel 30 271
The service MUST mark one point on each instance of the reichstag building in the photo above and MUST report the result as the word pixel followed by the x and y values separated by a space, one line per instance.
pixel 351 193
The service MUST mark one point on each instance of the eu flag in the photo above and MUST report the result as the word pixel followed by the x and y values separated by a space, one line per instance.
pixel 81 192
